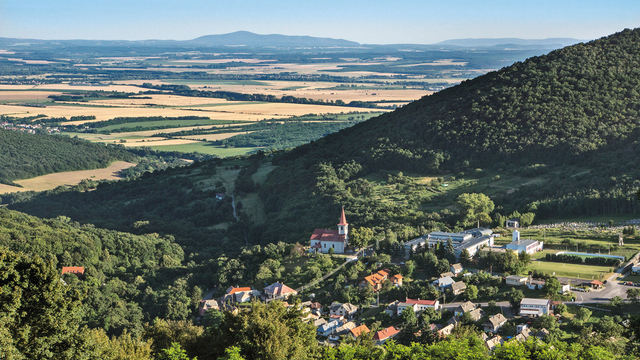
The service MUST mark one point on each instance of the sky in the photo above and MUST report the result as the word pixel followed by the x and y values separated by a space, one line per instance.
pixel 367 22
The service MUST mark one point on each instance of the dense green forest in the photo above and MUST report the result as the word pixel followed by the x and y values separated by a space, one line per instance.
pixel 28 155
pixel 571 114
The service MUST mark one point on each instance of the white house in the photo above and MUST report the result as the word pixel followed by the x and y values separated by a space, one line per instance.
pixel 528 246
pixel 323 240
pixel 515 280
pixel 513 223
pixel 534 307
pixel 456 269
pixel 347 310
pixel 424 304
pixel 444 282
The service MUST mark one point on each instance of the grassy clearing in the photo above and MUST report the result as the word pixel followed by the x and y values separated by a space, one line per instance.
pixel 206 148
pixel 571 270
pixel 632 278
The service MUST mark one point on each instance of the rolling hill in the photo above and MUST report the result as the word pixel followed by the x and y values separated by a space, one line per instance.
pixel 572 113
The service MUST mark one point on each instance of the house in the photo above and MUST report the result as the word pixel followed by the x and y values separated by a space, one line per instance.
pixel 476 314
pixel 446 331
pixel 396 280
pixel 458 287
pixel 444 282
pixel 392 308
pixel 565 288
pixel 75 270
pixel 316 308
pixel 596 284
pixel 403 305
pixel 343 330
pixel 385 334
pixel 521 327
pixel 279 290
pixel 542 334
pixel 220 196
pixel 513 223
pixel 494 323
pixel 375 280
pixel 447 274
pixel 535 284
pixel 327 328
pixel 357 331
pixel 206 305
pixel 523 334
pixel 456 269
pixel 424 304
pixel 240 294
pixel 347 310
pixel 515 280
pixel 534 307
pixel 464 307
pixel 493 342
pixel 319 321
pixel 454 321
pixel 528 246
pixel 322 240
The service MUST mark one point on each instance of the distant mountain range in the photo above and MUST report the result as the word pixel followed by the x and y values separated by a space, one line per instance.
pixel 252 40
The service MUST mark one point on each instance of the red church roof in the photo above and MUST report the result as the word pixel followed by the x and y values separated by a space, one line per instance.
pixel 343 219
pixel 421 302
pixel 327 235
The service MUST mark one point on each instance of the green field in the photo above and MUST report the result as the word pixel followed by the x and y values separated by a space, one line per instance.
pixel 571 270
pixel 215 82
pixel 206 148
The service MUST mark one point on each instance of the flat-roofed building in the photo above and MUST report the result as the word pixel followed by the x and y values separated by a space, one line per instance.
pixel 534 307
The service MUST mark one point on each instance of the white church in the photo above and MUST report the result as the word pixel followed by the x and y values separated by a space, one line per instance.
pixel 322 240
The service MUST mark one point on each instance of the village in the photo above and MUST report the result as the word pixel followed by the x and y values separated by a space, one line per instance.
pixel 452 299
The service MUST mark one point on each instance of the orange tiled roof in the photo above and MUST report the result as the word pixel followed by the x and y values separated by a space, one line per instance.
pixel 359 330
pixel 385 333
pixel 73 269
pixel 239 289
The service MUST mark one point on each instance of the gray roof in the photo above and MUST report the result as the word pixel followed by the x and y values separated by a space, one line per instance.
pixel 467 306
pixel 448 234
pixel 447 274
pixel 522 242
pixel 496 320
pixel 516 277
pixel 529 301
pixel 473 242
pixel 457 266
pixel 458 285
pixel 445 281
pixel 417 241
pixel 476 314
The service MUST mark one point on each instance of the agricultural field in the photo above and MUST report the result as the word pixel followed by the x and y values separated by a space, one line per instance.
pixel 52 181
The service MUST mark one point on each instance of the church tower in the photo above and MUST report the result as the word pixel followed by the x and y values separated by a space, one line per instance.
pixel 343 226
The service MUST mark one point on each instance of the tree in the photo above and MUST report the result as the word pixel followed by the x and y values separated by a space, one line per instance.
pixel 175 352
pixel 39 315
pixel 583 314
pixel 515 297
pixel 449 251
pixel 360 237
pixel 616 301
pixel 561 309
pixel 552 286
pixel 475 207
pixel 410 266
pixel 409 316
pixel 471 292
pixel 232 353
pixel 633 295
pixel 465 258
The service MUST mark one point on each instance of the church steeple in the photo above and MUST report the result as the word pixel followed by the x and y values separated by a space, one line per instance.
pixel 343 225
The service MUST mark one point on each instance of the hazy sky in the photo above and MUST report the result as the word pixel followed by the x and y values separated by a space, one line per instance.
pixel 370 21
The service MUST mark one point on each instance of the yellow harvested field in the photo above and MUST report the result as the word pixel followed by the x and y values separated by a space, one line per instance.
pixel 26 95
pixel 161 100
pixel 445 62
pixel 34 62
pixel 214 137
pixel 51 181
pixel 124 88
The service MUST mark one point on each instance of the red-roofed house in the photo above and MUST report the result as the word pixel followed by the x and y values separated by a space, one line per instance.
pixel 383 335
pixel 396 280
pixel 424 304
pixel 279 290
pixel 241 294
pixel 322 240
pixel 76 270
pixel 375 280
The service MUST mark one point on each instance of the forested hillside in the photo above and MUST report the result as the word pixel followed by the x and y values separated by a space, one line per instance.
pixel 25 156
pixel 572 114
